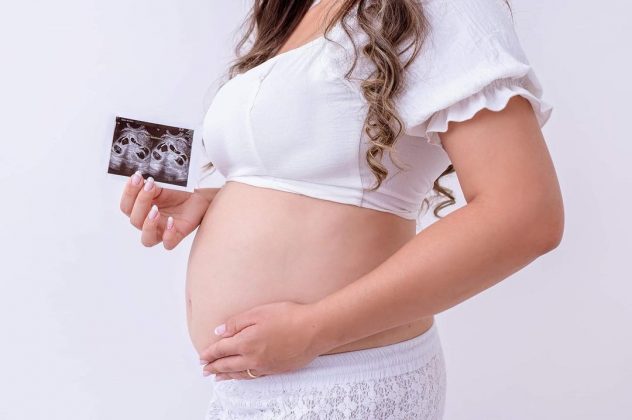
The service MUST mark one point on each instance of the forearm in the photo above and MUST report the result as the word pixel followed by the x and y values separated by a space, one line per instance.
pixel 450 261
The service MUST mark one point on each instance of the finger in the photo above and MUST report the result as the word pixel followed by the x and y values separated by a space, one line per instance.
pixel 144 200
pixel 244 375
pixel 228 365
pixel 236 323
pixel 130 192
pixel 240 375
pixel 152 229
pixel 171 235
pixel 222 348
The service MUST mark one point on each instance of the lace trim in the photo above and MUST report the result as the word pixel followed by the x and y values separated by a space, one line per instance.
pixel 417 394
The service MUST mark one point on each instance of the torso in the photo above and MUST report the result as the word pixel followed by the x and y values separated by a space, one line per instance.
pixel 258 245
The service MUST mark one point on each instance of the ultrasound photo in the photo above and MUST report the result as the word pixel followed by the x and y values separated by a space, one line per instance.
pixel 156 150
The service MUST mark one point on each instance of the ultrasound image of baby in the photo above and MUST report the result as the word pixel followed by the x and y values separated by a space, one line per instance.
pixel 170 157
pixel 156 150
pixel 131 150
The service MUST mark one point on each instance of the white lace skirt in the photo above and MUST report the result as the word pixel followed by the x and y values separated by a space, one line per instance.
pixel 405 380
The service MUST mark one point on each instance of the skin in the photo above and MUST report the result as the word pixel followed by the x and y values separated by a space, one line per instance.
pixel 187 208
pixel 514 214
pixel 319 277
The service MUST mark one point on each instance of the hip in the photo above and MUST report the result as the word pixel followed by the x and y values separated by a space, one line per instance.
pixel 406 379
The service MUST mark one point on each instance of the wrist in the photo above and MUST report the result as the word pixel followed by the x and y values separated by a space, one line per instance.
pixel 321 327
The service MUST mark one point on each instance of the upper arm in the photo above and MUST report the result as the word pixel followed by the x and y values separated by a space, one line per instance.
pixel 473 92
pixel 501 153
pixel 501 158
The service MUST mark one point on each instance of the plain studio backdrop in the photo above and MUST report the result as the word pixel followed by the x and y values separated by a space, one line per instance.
pixel 93 324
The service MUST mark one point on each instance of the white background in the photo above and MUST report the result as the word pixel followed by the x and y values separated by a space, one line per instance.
pixel 93 324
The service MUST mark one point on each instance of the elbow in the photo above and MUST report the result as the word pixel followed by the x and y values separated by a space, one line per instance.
pixel 535 227
pixel 547 231
pixel 551 239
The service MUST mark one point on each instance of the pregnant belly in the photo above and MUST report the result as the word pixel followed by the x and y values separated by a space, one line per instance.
pixel 258 245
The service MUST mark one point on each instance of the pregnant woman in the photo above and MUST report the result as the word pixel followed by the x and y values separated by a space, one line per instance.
pixel 310 293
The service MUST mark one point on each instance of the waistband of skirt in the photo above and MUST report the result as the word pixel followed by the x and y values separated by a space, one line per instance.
pixel 351 366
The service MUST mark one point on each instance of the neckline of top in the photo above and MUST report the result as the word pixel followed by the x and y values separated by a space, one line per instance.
pixel 304 46
pixel 301 47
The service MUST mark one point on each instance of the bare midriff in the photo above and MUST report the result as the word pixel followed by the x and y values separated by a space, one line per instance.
pixel 258 245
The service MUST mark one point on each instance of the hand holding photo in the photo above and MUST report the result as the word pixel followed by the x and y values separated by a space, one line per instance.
pixel 160 151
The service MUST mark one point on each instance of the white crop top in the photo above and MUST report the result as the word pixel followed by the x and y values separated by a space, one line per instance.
pixel 293 123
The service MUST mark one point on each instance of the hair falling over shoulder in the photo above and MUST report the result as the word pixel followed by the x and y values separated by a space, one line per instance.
pixel 402 25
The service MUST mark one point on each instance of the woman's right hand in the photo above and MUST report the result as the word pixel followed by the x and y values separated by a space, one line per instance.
pixel 162 214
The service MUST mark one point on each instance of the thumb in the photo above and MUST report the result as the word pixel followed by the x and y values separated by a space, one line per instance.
pixel 235 324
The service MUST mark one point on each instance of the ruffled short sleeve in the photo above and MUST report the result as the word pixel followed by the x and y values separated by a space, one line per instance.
pixel 471 59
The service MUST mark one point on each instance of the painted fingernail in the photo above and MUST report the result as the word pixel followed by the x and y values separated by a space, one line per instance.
pixel 153 212
pixel 136 178
pixel 169 222
pixel 219 330
pixel 206 373
pixel 149 184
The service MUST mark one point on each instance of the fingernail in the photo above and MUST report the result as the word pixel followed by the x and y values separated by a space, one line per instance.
pixel 219 330
pixel 206 373
pixel 169 222
pixel 136 178
pixel 203 362
pixel 149 184
pixel 153 212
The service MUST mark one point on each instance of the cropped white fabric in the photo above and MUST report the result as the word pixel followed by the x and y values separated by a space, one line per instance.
pixel 293 123
pixel 473 60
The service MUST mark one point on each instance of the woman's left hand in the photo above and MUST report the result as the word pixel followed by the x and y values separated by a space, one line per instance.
pixel 267 339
